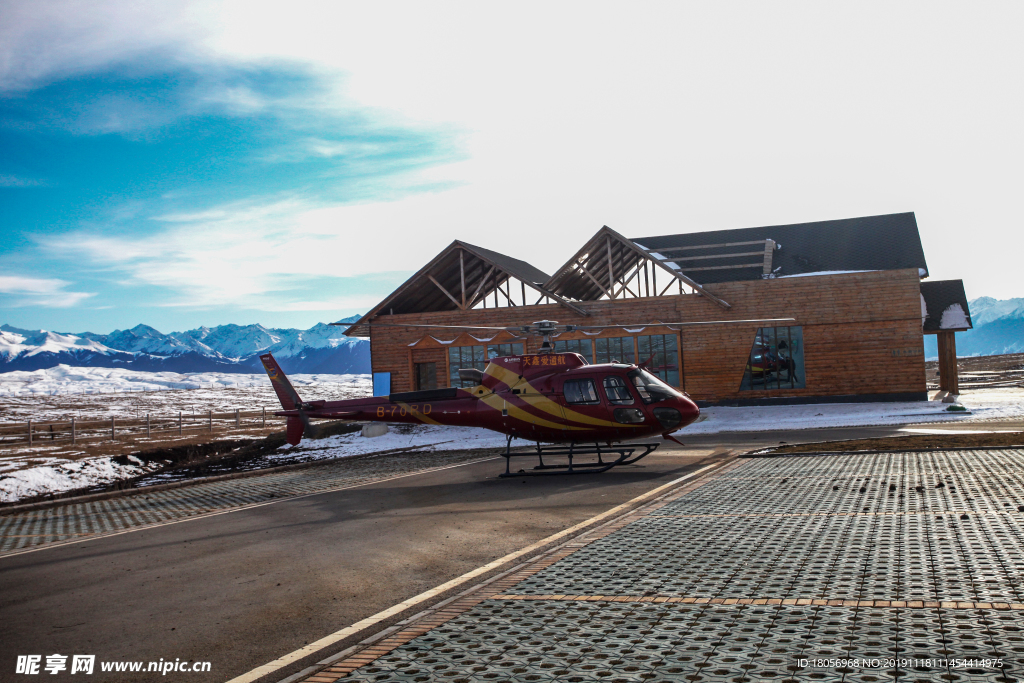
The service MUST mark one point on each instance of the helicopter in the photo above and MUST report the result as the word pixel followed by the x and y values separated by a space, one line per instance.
pixel 547 397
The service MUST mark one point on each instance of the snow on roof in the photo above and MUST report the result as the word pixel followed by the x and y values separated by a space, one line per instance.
pixel 954 318
pixel 825 272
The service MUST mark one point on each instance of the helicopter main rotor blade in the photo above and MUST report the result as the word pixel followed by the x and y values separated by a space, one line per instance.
pixel 687 324
pixel 447 327
pixel 531 329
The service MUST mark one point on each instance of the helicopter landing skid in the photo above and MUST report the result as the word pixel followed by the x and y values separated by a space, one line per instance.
pixel 623 452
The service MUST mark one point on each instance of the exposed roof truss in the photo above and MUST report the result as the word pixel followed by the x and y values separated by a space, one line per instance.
pixel 611 266
pixel 753 254
pixel 465 277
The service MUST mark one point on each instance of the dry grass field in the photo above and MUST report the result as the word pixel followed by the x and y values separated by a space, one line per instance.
pixel 978 372
pixel 121 423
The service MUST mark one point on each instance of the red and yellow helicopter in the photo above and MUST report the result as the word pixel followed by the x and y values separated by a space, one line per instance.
pixel 544 397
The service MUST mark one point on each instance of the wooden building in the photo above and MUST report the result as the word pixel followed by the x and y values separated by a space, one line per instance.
pixel 854 288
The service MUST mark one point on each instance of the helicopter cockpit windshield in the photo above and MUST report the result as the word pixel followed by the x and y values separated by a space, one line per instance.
pixel 650 388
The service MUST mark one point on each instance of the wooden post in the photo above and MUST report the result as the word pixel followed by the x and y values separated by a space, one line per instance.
pixel 264 417
pixel 611 271
pixel 179 423
pixel 682 367
pixel 73 434
pixel 954 371
pixel 113 434
pixel 30 433
pixel 149 432
pixel 769 249
pixel 943 373
pixel 462 274
pixel 211 420
pixel 949 379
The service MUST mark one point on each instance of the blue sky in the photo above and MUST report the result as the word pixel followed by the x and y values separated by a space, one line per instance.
pixel 101 160
pixel 205 162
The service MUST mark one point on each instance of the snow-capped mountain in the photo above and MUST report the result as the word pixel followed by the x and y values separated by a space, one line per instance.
pixel 998 329
pixel 233 341
pixel 987 310
pixel 225 348
pixel 145 339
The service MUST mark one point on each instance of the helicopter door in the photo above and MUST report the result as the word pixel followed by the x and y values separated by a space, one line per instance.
pixel 582 399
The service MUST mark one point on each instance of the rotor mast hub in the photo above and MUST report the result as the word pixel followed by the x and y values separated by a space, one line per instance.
pixel 544 329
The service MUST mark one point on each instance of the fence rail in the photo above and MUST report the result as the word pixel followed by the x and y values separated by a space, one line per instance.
pixel 52 432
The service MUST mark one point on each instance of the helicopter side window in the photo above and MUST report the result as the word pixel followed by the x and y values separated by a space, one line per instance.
pixel 580 391
pixel 617 392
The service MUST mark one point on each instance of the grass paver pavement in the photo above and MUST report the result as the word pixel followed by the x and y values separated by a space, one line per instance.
pixel 862 567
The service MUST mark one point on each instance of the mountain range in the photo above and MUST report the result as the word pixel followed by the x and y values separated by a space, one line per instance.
pixel 225 348
pixel 998 329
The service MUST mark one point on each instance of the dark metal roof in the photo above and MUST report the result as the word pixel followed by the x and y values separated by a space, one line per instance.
pixel 888 242
pixel 939 296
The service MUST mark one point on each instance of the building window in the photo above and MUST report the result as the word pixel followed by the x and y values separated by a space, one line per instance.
pixel 613 349
pixel 426 376
pixel 580 391
pixel 476 357
pixel 465 357
pixel 499 350
pixel 660 353
pixel 776 360
pixel 584 347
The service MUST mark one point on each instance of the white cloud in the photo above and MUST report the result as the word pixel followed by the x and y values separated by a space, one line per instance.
pixel 667 117
pixel 46 292
pixel 43 40
pixel 677 117
pixel 250 255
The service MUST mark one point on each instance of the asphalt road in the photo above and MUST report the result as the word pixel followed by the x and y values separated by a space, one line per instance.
pixel 242 588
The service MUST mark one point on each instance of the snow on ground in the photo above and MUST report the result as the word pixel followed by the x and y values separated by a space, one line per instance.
pixel 58 475
pixel 48 475
pixel 431 437
pixel 995 402
pixel 63 392
pixel 983 404
pixel 66 476
pixel 65 379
